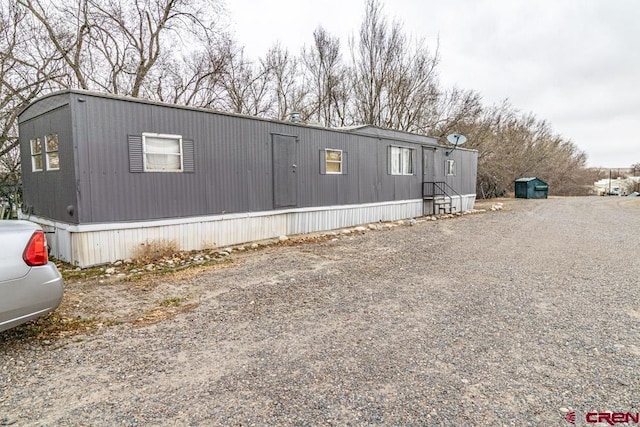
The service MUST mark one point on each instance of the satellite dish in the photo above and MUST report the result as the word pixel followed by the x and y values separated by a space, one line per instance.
pixel 456 139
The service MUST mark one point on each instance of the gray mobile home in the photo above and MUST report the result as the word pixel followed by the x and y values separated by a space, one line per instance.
pixel 104 174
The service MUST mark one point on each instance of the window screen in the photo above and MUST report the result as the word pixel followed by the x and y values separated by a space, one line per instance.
pixel 162 153
pixel 36 155
pixel 401 161
pixel 52 154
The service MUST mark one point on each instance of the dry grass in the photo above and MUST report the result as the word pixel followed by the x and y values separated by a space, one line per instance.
pixel 168 310
pixel 51 327
pixel 155 249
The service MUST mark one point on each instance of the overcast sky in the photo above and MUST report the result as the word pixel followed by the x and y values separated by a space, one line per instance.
pixel 574 63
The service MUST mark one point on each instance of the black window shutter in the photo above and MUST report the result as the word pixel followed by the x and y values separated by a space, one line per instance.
pixel 323 162
pixel 345 163
pixel 135 154
pixel 188 159
pixel 414 162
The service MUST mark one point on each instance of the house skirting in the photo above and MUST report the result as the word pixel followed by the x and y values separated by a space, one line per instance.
pixel 461 203
pixel 87 245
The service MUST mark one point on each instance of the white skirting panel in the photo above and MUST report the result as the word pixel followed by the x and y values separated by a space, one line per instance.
pixel 466 202
pixel 305 221
pixel 86 245
pixel 463 203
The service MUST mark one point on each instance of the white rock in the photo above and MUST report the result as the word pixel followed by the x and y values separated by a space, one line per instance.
pixel 373 227
pixel 229 250
pixel 254 246
pixel 110 271
pixel 117 263
pixel 283 238
pixel 412 221
pixel 345 231
pixel 360 229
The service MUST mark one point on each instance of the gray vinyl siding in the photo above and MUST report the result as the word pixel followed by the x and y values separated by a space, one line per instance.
pixel 48 193
pixel 464 181
pixel 232 163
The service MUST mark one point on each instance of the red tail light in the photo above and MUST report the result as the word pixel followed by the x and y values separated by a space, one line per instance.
pixel 36 251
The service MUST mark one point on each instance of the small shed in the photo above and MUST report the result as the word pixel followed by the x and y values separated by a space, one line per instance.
pixel 531 188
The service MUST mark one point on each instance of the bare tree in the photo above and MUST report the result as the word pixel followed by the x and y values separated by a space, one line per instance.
pixel 395 79
pixel 513 145
pixel 196 79
pixel 10 178
pixel 115 46
pixel 67 27
pixel 287 87
pixel 173 51
pixel 326 74
pixel 372 61
pixel 245 85
pixel 26 69
pixel 161 49
pixel 452 110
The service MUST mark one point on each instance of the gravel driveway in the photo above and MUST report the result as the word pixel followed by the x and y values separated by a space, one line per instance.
pixel 515 317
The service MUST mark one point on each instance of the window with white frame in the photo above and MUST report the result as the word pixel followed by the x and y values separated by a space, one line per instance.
pixel 401 161
pixel 450 167
pixel 51 152
pixel 162 153
pixel 36 155
pixel 333 160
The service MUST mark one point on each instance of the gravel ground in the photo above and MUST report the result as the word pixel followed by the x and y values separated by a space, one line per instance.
pixel 507 318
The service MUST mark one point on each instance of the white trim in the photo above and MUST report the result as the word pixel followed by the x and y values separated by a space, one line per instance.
pixel 106 226
pixel 47 152
pixel 402 150
pixel 93 244
pixel 85 245
pixel 450 167
pixel 327 161
pixel 180 153
pixel 34 155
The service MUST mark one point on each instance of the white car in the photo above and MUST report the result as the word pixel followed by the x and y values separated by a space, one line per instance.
pixel 30 285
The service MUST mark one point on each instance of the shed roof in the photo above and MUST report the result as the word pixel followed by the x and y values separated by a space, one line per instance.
pixel 528 179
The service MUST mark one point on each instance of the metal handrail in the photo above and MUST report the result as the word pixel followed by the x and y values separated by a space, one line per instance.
pixel 441 188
